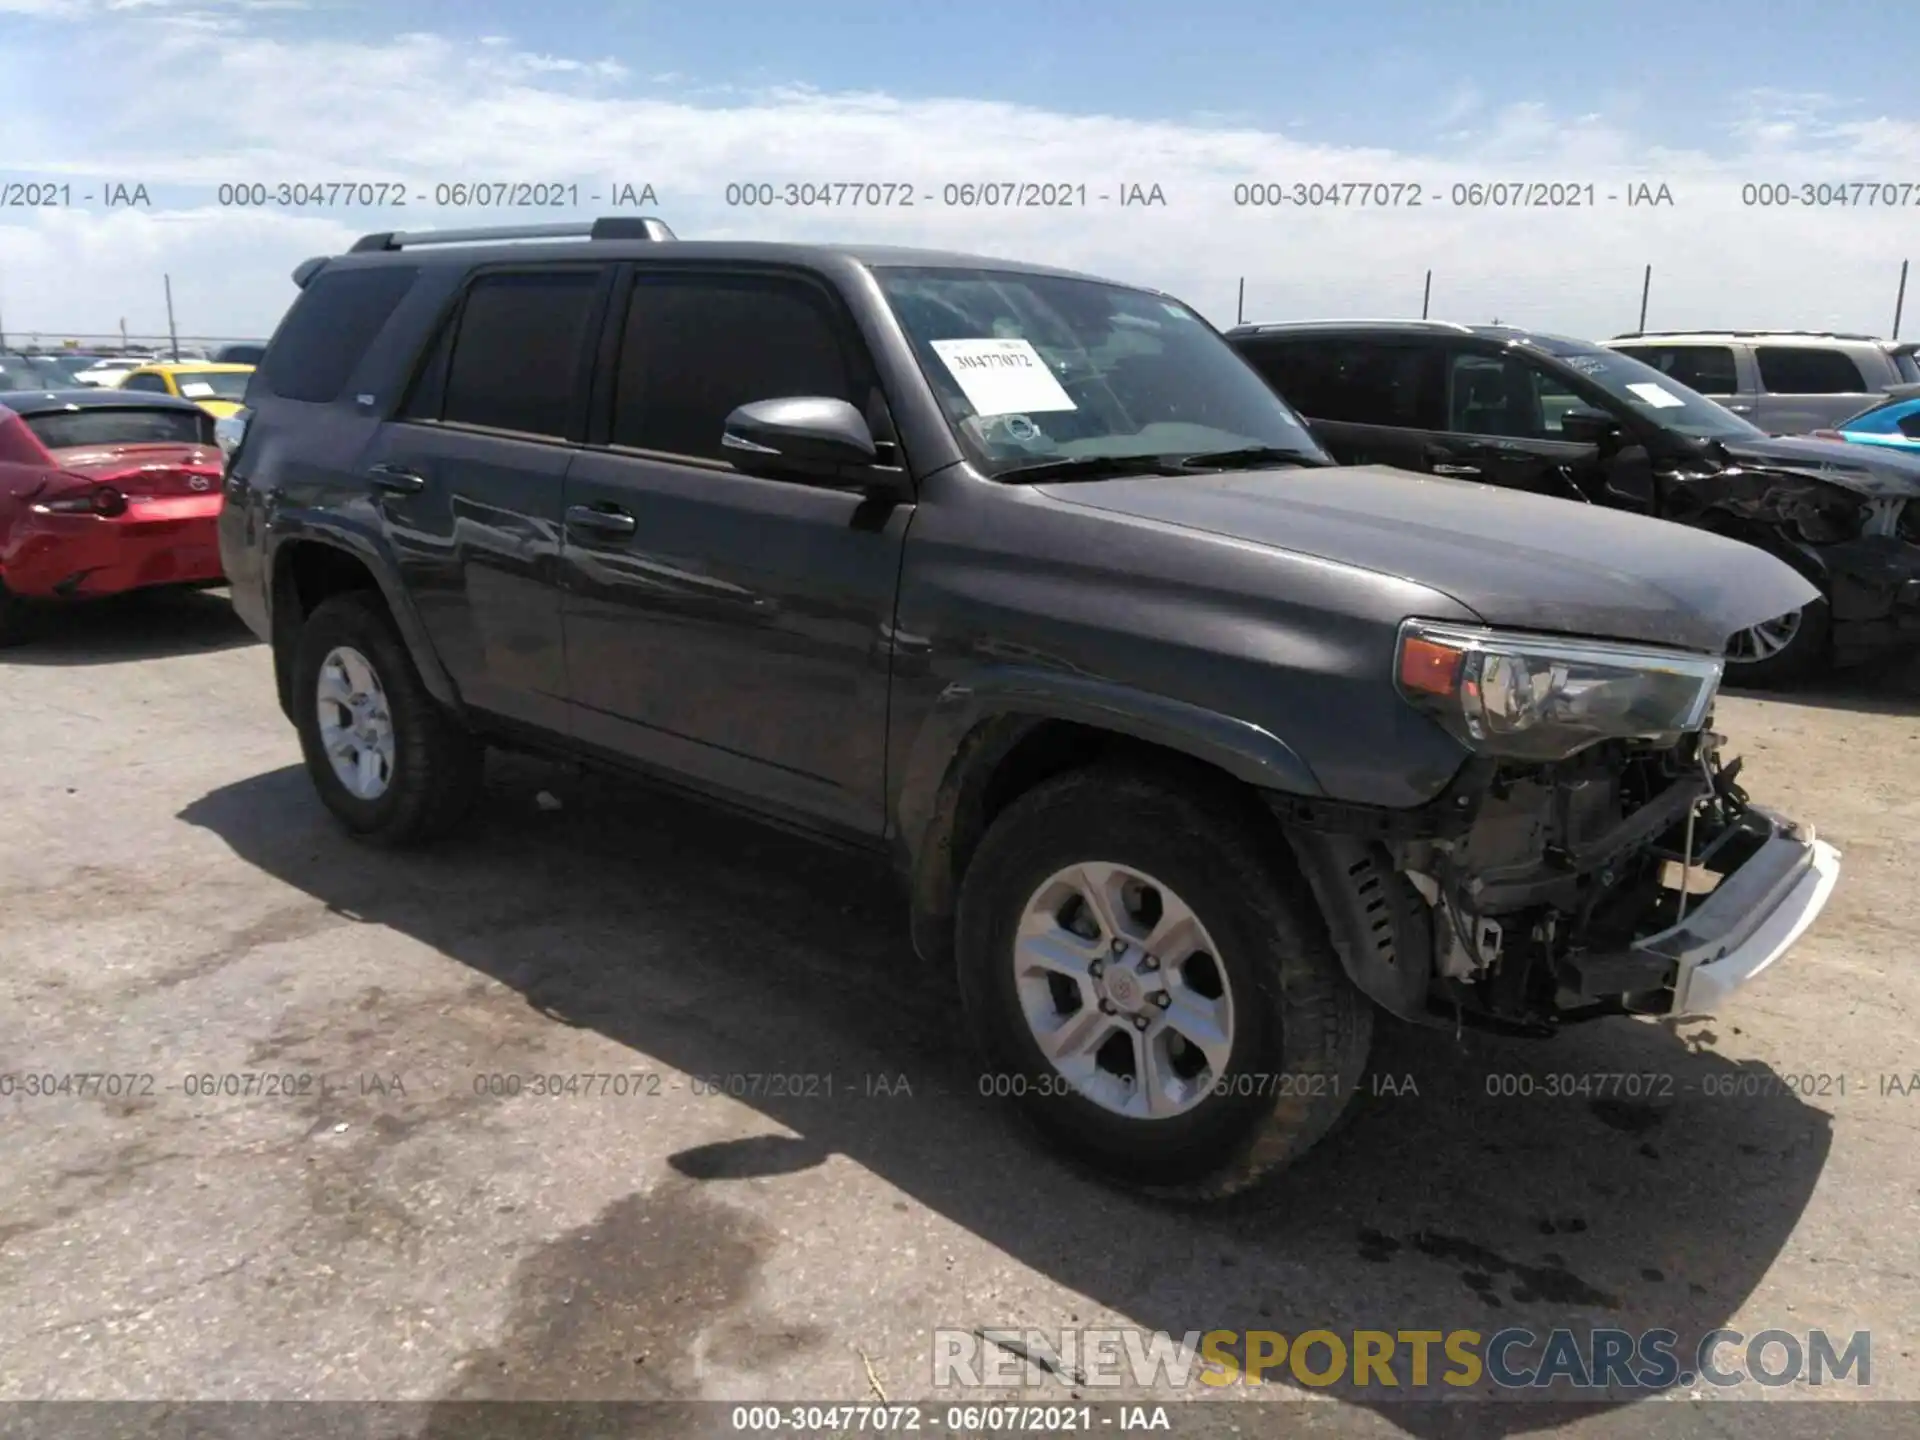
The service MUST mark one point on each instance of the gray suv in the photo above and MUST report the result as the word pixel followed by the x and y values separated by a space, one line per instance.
pixel 1188 747
pixel 1787 382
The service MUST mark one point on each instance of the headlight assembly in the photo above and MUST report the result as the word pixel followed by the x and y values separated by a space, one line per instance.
pixel 1538 697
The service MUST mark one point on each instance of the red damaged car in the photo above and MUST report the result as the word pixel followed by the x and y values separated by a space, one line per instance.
pixel 101 492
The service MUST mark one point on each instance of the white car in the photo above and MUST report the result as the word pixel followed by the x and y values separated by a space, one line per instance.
pixel 111 371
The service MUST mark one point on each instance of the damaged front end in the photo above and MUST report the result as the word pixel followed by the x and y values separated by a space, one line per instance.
pixel 1629 875
pixel 1853 525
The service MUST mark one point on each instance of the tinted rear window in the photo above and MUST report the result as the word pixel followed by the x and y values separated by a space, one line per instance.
pixel 1808 370
pixel 1907 366
pixel 72 429
pixel 517 354
pixel 1360 382
pixel 329 329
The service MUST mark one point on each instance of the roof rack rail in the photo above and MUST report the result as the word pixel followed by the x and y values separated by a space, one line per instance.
pixel 1748 334
pixel 607 227
pixel 1452 326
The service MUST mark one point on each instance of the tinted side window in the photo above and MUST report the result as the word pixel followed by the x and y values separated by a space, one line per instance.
pixel 1355 381
pixel 698 346
pixel 516 361
pixel 144 382
pixel 328 330
pixel 1503 396
pixel 1708 369
pixel 1907 366
pixel 1807 370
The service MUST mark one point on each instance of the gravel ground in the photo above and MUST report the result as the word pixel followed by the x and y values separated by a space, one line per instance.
pixel 373 1222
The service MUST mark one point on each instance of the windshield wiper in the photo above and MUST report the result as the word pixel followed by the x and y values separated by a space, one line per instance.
pixel 1248 457
pixel 1089 467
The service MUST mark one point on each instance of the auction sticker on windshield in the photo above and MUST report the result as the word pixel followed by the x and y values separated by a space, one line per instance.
pixel 1655 396
pixel 1002 377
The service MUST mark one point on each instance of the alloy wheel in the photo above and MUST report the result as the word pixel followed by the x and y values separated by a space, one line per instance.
pixel 356 727
pixel 1123 990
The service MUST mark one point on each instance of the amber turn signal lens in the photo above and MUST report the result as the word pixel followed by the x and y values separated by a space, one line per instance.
pixel 1429 668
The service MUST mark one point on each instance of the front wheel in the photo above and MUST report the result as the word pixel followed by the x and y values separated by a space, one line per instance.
pixel 1782 652
pixel 1150 986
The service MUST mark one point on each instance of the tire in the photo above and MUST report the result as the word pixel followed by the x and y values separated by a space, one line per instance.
pixel 436 768
pixel 16 620
pixel 1805 655
pixel 1299 1033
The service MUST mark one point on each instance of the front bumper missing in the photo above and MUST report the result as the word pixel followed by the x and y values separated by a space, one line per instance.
pixel 1753 917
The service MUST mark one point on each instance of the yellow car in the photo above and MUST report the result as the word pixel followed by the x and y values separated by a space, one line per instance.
pixel 217 389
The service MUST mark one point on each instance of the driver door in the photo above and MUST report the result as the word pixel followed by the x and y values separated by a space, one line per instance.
pixel 729 630
pixel 1503 427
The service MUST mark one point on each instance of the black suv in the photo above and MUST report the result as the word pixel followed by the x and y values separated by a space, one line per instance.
pixel 1189 746
pixel 1588 423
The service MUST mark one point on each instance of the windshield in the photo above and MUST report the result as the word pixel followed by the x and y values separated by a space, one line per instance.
pixel 213 384
pixel 1039 368
pixel 117 425
pixel 1656 397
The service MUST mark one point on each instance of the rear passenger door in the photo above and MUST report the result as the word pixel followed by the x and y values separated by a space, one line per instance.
pixel 1806 387
pixel 468 478
pixel 726 629
pixel 1369 401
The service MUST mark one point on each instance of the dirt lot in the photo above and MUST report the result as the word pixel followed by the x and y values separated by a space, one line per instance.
pixel 375 1223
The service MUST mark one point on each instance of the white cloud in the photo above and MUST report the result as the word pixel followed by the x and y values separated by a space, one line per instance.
pixel 423 109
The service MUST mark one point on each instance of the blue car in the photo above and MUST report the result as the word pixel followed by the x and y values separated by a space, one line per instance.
pixel 1894 424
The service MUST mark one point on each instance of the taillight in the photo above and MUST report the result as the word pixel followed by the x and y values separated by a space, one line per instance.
pixel 102 500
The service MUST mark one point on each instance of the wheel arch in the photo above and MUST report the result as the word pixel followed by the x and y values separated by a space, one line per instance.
pixel 310 568
pixel 996 737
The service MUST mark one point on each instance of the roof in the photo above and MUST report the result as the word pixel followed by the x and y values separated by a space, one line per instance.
pixel 46 402
pixel 1511 333
pixel 621 238
pixel 1724 335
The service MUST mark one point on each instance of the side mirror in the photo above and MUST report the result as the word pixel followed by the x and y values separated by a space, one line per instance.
pixel 808 438
pixel 1910 426
pixel 1589 427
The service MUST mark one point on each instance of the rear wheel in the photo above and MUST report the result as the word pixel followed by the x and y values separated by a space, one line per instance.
pixel 386 759
pixel 1152 989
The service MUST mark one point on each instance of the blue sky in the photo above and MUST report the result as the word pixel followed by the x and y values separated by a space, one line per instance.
pixel 1367 72
pixel 1197 96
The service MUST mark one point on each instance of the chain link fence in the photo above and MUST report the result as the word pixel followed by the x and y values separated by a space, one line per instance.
pixel 69 342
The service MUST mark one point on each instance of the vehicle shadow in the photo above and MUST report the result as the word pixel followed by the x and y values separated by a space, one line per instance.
pixel 1465 1195
pixel 1892 688
pixel 140 625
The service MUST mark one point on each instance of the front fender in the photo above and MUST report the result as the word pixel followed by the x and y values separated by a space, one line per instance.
pixel 976 723
pixel 340 531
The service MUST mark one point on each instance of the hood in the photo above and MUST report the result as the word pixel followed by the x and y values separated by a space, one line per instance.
pixel 1528 561
pixel 1871 470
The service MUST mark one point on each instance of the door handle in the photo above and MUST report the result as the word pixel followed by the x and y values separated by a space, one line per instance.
pixel 397 479
pixel 1740 409
pixel 607 522
pixel 1456 469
